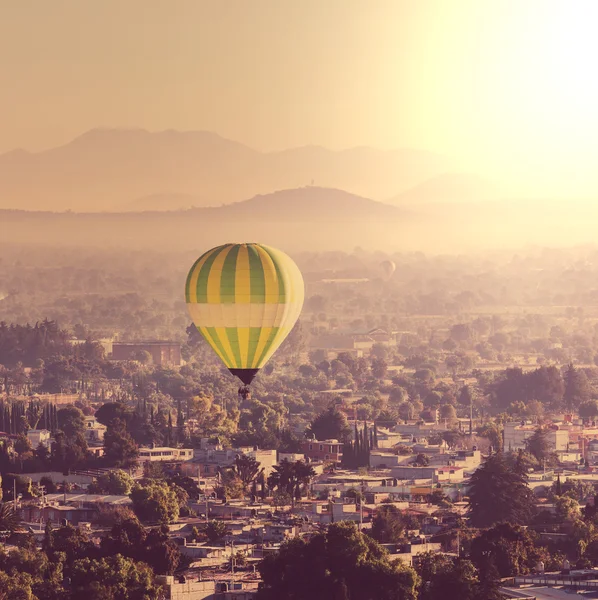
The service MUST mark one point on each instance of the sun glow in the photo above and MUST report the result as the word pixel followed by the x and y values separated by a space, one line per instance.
pixel 537 83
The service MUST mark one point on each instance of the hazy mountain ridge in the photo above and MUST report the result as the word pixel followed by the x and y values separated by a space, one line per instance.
pixel 314 218
pixel 107 168
pixel 449 188
pixel 309 217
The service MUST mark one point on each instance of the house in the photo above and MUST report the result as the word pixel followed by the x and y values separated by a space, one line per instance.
pixel 516 433
pixel 39 436
pixel 183 589
pixel 78 508
pixel 381 336
pixel 161 454
pixel 324 450
pixel 94 431
pixel 163 353
pixel 208 461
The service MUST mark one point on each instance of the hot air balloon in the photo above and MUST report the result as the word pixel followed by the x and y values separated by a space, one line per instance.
pixel 244 299
pixel 388 268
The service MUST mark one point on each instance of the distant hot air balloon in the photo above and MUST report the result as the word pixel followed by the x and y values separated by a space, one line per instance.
pixel 388 268
pixel 244 299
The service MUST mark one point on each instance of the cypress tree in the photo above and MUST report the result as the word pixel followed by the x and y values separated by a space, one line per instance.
pixel 180 424
pixel 375 435
pixel 366 444
pixel 169 430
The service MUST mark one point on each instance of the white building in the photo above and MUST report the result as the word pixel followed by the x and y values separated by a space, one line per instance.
pixel 515 434
pixel 94 431
pixel 39 436
pixel 165 454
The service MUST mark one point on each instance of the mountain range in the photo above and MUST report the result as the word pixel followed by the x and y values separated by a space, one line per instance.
pixel 133 169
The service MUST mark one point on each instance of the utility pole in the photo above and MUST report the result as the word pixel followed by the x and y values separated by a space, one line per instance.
pixel 361 508
pixel 232 560
pixel 471 415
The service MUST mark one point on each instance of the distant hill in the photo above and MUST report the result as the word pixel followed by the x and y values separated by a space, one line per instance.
pixel 449 188
pixel 315 219
pixel 107 168
pixel 309 203
pixel 305 218
pixel 161 202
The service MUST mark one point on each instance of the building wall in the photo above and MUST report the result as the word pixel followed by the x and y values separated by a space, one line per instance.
pixel 323 450
pixel 164 454
pixel 39 436
pixel 402 472
pixel 515 435
pixel 191 590
pixel 162 353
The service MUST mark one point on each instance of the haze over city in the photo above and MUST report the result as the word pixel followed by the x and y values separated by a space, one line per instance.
pixel 298 300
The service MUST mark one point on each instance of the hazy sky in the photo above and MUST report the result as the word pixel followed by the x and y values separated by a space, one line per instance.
pixel 506 87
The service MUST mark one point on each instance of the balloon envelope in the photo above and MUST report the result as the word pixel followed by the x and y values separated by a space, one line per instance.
pixel 244 299
pixel 388 268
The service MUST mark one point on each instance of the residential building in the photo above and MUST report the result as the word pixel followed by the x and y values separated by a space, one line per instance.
pixel 94 431
pixel 78 508
pixel 290 456
pixel 209 460
pixel 39 436
pixel 165 454
pixel 516 433
pixel 324 450
pixel 163 353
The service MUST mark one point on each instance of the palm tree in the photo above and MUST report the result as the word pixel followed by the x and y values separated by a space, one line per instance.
pixel 287 476
pixel 9 519
pixel 246 468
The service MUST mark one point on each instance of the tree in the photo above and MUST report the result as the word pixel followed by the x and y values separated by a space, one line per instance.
pixel 447 578
pixel 588 409
pixel 288 475
pixel 113 410
pixel 246 468
pixel 113 578
pixel 215 531
pixel 578 489
pixel 421 460
pixel 379 368
pixel 117 483
pixel 538 445
pixel 71 541
pixel 566 508
pixel 492 433
pixel 71 421
pixel 512 548
pixel 9 519
pixel 130 539
pixel 155 502
pixel 390 526
pixel 281 498
pixel 330 425
pixel 120 450
pixel 17 586
pixel 342 563
pixel 499 492
pixel 448 412
pixel 577 388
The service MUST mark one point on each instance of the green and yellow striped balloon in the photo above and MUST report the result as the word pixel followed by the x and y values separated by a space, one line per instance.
pixel 244 299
